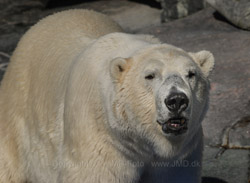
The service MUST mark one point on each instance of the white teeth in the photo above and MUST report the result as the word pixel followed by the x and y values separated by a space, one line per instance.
pixel 174 125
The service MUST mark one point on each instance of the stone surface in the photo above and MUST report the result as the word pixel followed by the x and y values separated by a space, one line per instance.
pixel 174 9
pixel 4 58
pixel 17 6
pixel 230 85
pixel 231 166
pixel 237 12
pixel 237 135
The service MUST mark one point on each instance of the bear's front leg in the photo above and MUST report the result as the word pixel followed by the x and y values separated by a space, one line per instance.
pixel 100 166
pixel 96 173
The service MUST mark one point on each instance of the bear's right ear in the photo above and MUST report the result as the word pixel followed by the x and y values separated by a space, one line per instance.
pixel 117 67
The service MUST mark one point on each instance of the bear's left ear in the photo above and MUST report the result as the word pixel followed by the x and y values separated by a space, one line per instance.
pixel 205 61
pixel 117 67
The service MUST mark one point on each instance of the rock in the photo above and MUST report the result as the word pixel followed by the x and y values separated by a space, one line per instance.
pixel 230 167
pixel 229 101
pixel 15 18
pixel 8 7
pixel 174 9
pixel 237 135
pixel 212 180
pixel 136 17
pixel 4 59
pixel 9 41
pixel 237 12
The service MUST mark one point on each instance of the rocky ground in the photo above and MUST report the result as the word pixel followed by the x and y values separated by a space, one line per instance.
pixel 227 125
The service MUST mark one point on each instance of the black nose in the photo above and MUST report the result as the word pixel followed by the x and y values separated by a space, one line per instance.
pixel 176 102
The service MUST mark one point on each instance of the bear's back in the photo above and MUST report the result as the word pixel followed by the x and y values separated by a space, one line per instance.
pixel 35 81
pixel 48 49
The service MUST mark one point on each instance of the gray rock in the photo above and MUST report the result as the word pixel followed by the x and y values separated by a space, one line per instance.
pixel 174 9
pixel 136 17
pixel 9 41
pixel 237 135
pixel 231 166
pixel 8 7
pixel 230 86
pixel 4 59
pixel 236 11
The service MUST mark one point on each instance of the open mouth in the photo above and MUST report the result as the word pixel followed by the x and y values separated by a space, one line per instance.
pixel 175 126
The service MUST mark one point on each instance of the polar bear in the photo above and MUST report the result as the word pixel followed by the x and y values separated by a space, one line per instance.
pixel 81 101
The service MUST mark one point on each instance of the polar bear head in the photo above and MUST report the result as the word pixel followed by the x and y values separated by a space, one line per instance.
pixel 161 96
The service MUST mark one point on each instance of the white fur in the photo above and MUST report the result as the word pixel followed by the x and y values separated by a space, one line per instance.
pixel 75 106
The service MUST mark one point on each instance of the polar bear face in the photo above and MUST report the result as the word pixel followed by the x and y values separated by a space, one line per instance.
pixel 161 95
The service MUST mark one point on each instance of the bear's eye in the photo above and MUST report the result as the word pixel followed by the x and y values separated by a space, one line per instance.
pixel 150 76
pixel 191 74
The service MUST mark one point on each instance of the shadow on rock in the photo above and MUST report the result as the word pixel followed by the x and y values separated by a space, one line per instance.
pixel 221 18
pixel 212 180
